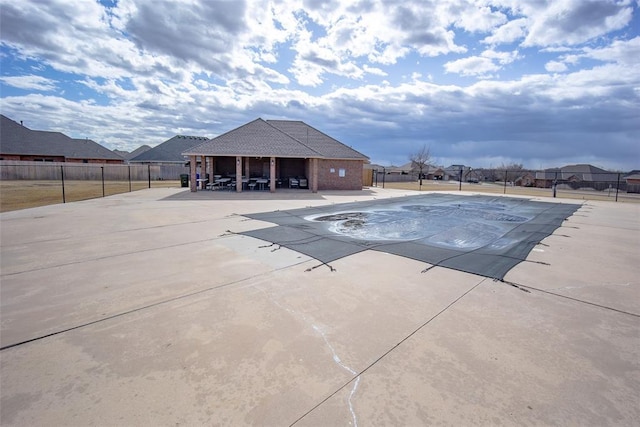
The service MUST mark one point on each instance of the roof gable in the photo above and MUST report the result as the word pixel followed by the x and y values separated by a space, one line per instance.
pixel 318 141
pixel 256 138
pixel 277 138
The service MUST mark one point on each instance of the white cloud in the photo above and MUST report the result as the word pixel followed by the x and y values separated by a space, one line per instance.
pixel 471 66
pixel 475 17
pixel 626 52
pixel 487 62
pixel 508 33
pixel 37 83
pixel 572 22
pixel 555 67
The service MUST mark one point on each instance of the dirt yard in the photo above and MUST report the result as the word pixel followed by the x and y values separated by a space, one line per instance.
pixel 499 188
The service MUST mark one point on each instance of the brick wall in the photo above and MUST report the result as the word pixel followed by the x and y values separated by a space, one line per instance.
pixel 340 174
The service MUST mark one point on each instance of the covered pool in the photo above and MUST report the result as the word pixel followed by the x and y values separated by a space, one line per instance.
pixel 484 235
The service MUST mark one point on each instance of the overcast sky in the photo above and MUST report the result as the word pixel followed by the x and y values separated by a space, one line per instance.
pixel 482 83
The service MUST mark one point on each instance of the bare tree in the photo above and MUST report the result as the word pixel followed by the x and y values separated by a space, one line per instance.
pixel 510 171
pixel 420 162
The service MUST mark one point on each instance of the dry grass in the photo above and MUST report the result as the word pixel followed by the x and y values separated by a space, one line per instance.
pixel 521 191
pixel 16 195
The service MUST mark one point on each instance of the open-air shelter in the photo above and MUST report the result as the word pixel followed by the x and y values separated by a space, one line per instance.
pixel 280 152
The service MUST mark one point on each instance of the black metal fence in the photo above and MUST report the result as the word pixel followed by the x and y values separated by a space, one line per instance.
pixel 581 183
pixel 28 184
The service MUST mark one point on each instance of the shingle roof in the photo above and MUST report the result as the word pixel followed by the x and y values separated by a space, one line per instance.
pixel 316 140
pixel 278 138
pixel 587 173
pixel 548 173
pixel 169 151
pixel 583 172
pixel 130 155
pixel 17 139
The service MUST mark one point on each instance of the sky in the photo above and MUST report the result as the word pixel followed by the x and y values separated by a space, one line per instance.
pixel 482 83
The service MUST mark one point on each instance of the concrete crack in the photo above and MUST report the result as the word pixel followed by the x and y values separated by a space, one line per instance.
pixel 336 358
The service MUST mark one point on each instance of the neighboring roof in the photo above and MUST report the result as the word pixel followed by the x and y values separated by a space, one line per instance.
pixel 407 167
pixel 130 155
pixel 634 177
pixel 277 138
pixel 17 139
pixel 169 151
pixel 548 174
pixel 583 172
pixel 587 173
pixel 455 169
pixel 374 166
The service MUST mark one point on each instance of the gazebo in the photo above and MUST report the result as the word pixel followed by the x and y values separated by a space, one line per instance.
pixel 280 152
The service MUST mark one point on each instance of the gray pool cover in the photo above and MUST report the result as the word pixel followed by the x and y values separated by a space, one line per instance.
pixel 477 234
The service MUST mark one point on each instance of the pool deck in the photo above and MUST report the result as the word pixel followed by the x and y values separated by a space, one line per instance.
pixel 147 308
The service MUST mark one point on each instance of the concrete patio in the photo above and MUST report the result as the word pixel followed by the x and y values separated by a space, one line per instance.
pixel 148 308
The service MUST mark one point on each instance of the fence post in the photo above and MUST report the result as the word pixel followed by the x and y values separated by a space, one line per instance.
pixel 102 173
pixel 149 174
pixel 506 172
pixel 64 199
pixel 129 178
pixel 618 186
pixel 460 183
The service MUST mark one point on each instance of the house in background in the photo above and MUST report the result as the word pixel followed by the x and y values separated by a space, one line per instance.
pixel 577 176
pixel 526 179
pixel 130 155
pixel 17 142
pixel 456 172
pixel 169 152
pixel 633 182
pixel 280 151
pixel 165 160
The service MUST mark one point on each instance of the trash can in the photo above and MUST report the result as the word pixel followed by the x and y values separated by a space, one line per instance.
pixel 184 180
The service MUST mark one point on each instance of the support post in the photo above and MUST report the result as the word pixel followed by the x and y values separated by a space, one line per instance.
pixel 238 174
pixel 64 199
pixel 102 173
pixel 193 165
pixel 149 174
pixel 314 175
pixel 212 167
pixel 506 173
pixel 618 186
pixel 272 175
